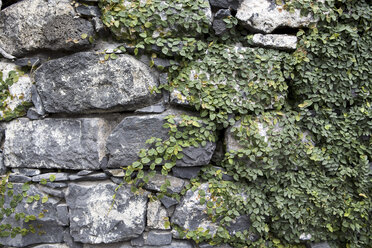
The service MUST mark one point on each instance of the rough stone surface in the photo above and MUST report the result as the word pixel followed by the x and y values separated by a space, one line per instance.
pixel 90 177
pixel 53 192
pixel 18 178
pixel 265 16
pixel 174 244
pixel 219 25
pixel 63 215
pixel 158 238
pixel 36 100
pixel 156 215
pixel 92 220
pixel 277 41
pixel 187 173
pixel 48 224
pixel 27 172
pixel 19 91
pixel 59 176
pixel 56 143
pixel 84 172
pixel 130 136
pixel 81 84
pixel 168 201
pixel 155 182
pixel 30 25
pixel 52 246
pixel 32 114
pixel 153 109
pixel 88 11
pixel 226 4
pixel 29 62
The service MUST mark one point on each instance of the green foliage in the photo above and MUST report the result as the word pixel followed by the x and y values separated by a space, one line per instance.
pixel 21 109
pixel 302 120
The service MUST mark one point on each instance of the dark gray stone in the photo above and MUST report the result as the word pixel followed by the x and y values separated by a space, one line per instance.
pixel 63 215
pixel 53 192
pixel 56 185
pixel 99 27
pixel 88 11
pixel 2 166
pixel 27 172
pixel 93 220
pixel 90 177
pixel 174 244
pixel 219 25
pixel 48 224
pixel 225 4
pixel 67 238
pixel 16 178
pixel 186 172
pixel 56 143
pixel 32 114
pixel 158 238
pixel 240 224
pixel 154 184
pixel 168 201
pixel 29 62
pixel 116 180
pixel 83 84
pixel 50 25
pixel 163 63
pixel 153 109
pixel 36 100
pixel 59 176
pixel 319 245
pixel 206 245
pixel 140 241
pixel 2 134
pixel 130 136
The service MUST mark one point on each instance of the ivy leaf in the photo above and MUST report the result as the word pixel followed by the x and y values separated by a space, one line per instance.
pixel 84 36
pixel 44 199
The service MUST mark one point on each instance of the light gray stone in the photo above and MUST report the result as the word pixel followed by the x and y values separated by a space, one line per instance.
pixel 1 3
pixel 32 114
pixel 158 238
pixel 63 215
pixel 276 41
pixel 225 4
pixel 153 109
pixel 82 83
pixel 93 220
pixel 155 182
pixel 129 137
pixel 53 192
pixel 56 143
pixel 116 172
pixel 20 91
pixel 67 238
pixel 27 172
pixel 265 16
pixel 56 185
pixel 52 246
pixel 174 244
pixel 48 224
pixel 90 177
pixel 156 216
pixel 84 172
pixel 32 25
pixel 36 100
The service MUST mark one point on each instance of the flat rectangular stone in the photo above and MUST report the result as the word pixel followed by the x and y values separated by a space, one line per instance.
pixel 75 144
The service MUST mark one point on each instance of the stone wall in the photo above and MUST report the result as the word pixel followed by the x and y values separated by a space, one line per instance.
pixel 92 115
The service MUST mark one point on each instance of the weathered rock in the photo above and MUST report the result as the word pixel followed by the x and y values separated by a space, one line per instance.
pixel 115 172
pixel 19 91
pixel 29 62
pixel 32 25
pixel 27 172
pixel 207 245
pixel 225 4
pixel 56 185
pixel 53 192
pixel 15 178
pixel 36 100
pixel 52 246
pixel 1 3
pixel 88 11
pixel 219 25
pixel 276 41
pixel 156 216
pixel 186 172
pixel 174 244
pixel 63 215
pixel 130 136
pixel 319 245
pixel 56 143
pixel 158 238
pixel 153 109
pixel 168 201
pixel 82 84
pixel 58 176
pixel 92 220
pixel 48 224
pixel 67 238
pixel 265 16
pixel 32 114
pixel 90 177
pixel 155 182
pixel 84 172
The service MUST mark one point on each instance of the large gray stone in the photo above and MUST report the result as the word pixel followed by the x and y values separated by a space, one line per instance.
pixel 156 216
pixel 276 41
pixel 49 224
pixel 81 83
pixel 158 238
pixel 56 143
pixel 265 16
pixel 129 137
pixel 32 25
pixel 93 218
pixel 19 91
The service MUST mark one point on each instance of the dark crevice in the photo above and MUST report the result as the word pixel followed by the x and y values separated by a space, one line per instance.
pixel 7 3
pixel 286 30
